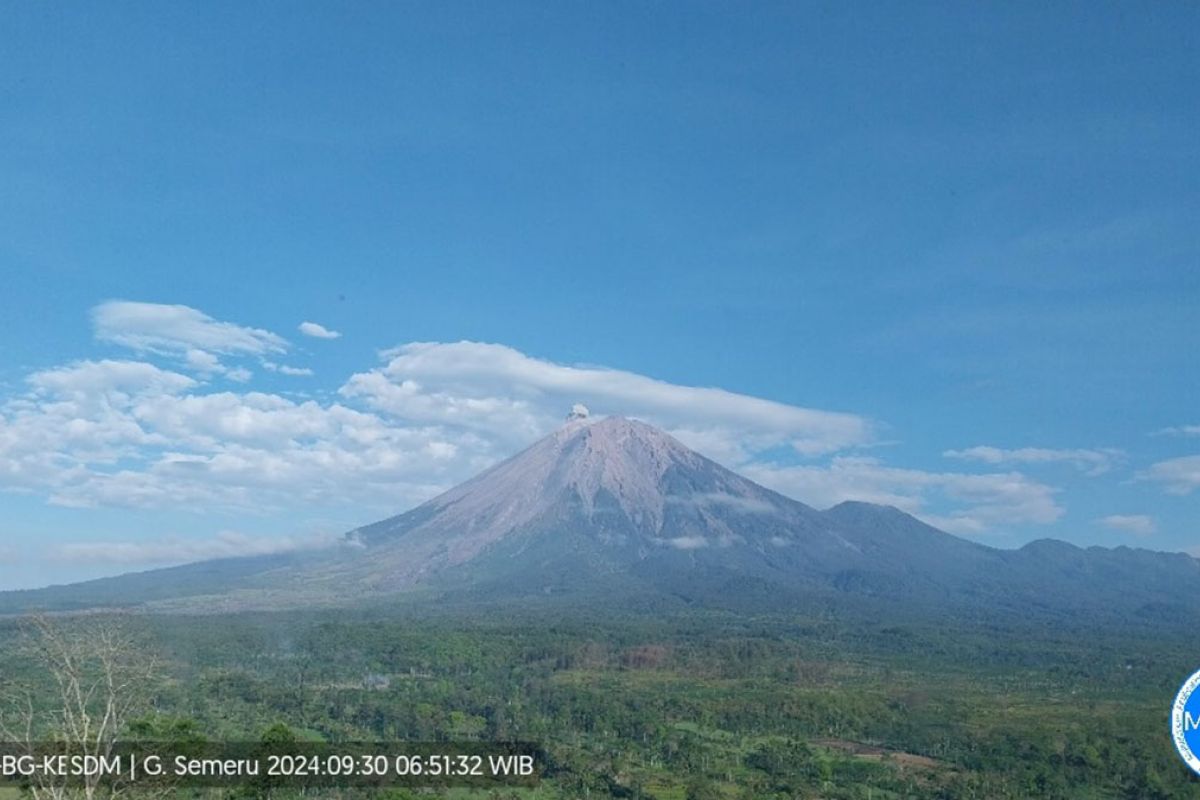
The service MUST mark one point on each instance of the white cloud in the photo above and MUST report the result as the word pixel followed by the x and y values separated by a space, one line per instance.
pixel 1179 430
pixel 205 364
pixel 252 450
pixel 976 502
pixel 180 550
pixel 202 361
pixel 74 417
pixel 317 331
pixel 130 434
pixel 176 329
pixel 94 379
pixel 284 369
pixel 183 333
pixel 1138 524
pixel 498 389
pixel 1178 475
pixel 1093 462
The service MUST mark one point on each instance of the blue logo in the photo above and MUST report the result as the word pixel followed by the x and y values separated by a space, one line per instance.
pixel 1185 722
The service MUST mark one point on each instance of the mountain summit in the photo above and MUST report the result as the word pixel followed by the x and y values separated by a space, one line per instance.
pixel 592 467
pixel 616 505
pixel 599 495
pixel 625 480
pixel 615 509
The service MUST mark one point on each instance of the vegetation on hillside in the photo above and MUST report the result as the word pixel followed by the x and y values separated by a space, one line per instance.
pixel 695 706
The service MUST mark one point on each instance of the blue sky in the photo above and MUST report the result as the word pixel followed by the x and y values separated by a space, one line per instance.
pixel 938 255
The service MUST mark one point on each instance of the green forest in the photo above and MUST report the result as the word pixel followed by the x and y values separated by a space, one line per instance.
pixel 686 706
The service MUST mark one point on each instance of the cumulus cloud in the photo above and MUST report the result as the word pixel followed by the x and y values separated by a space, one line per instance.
pixel 202 361
pixel 96 379
pixel 1177 475
pixel 255 450
pixel 180 550
pixel 119 433
pixel 496 388
pixel 976 502
pixel 205 364
pixel 1138 524
pixel 73 417
pixel 1093 462
pixel 129 434
pixel 317 331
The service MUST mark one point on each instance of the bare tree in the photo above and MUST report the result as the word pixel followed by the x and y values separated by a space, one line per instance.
pixel 91 679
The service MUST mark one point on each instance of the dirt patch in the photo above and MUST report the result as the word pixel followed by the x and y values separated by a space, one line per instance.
pixel 872 753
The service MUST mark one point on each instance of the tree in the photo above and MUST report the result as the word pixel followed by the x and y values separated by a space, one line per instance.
pixel 89 678
pixel 702 789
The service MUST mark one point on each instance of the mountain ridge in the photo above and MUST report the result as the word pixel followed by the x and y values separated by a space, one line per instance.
pixel 616 508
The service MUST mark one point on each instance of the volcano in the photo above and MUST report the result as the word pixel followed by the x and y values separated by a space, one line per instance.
pixel 618 501
pixel 615 509
pixel 600 496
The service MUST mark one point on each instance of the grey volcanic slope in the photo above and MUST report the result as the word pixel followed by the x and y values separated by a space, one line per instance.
pixel 617 509
pixel 602 496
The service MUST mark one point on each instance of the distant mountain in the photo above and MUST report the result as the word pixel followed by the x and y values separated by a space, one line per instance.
pixel 617 512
